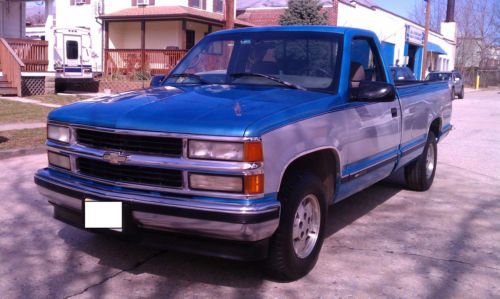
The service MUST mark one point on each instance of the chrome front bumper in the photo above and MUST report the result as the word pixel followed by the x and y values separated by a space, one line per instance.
pixel 215 219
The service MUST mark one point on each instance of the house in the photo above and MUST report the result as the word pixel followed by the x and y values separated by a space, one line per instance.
pixel 23 62
pixel 133 39
pixel 147 37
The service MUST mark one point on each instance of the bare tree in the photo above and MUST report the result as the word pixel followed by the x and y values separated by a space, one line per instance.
pixel 438 13
pixel 478 27
pixel 477 32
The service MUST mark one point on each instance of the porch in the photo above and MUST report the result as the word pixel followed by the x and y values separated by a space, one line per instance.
pixel 23 66
pixel 142 42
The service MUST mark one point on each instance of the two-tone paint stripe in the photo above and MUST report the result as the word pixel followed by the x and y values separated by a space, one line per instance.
pixel 360 168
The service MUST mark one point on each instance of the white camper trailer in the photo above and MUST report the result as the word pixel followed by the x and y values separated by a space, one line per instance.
pixel 72 54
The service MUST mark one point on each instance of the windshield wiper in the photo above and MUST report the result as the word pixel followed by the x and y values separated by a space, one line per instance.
pixel 188 75
pixel 272 78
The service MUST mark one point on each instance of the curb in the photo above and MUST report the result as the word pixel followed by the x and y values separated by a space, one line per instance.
pixel 21 152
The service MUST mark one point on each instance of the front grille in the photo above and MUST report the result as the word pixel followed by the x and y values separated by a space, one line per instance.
pixel 157 177
pixel 130 143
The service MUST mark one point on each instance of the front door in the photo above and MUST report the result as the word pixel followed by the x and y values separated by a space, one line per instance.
pixel 190 39
pixel 374 127
pixel 73 55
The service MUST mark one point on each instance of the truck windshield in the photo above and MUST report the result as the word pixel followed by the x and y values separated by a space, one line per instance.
pixel 302 60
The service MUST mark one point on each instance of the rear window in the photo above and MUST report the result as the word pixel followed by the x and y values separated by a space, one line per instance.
pixel 72 49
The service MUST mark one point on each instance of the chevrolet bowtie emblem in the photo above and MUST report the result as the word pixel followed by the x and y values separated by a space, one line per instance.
pixel 115 158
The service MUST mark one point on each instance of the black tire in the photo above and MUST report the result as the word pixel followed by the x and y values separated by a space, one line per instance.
pixel 416 173
pixel 453 93
pixel 461 94
pixel 283 262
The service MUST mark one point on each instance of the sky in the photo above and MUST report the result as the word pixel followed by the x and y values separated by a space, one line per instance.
pixel 400 7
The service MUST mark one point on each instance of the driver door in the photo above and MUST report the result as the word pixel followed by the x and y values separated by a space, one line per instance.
pixel 375 127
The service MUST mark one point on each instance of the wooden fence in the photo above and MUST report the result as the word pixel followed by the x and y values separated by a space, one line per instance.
pixel 130 62
pixel 33 53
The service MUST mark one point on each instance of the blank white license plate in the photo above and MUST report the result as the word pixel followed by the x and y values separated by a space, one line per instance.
pixel 103 214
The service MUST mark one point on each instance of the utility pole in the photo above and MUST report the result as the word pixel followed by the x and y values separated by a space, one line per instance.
pixel 426 37
pixel 229 14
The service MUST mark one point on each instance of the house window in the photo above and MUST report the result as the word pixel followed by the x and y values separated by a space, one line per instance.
pixel 218 5
pixel 79 2
pixel 198 3
pixel 143 2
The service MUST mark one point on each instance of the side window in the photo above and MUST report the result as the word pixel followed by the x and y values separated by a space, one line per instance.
pixel 365 62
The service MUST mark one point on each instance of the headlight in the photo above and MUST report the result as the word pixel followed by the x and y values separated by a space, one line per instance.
pixel 58 133
pixel 229 151
pixel 59 160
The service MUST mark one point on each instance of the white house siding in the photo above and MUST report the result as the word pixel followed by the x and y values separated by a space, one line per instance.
pixel 162 34
pixel 391 29
pixel 12 19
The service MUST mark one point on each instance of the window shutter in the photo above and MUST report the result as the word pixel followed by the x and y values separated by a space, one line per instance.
pixel 134 2
pixel 151 2
pixel 204 4
pixel 71 2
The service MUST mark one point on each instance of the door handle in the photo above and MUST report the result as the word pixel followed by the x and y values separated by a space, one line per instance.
pixel 394 112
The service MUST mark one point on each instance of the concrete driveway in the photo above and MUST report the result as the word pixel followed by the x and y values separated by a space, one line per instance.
pixel 383 242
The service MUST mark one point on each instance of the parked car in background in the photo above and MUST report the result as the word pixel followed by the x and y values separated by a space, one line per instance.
pixel 242 148
pixel 400 73
pixel 454 78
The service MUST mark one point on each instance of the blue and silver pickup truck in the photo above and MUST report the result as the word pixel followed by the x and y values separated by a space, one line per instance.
pixel 242 148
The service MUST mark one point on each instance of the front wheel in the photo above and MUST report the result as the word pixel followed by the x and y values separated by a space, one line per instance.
pixel 295 247
pixel 461 94
pixel 420 173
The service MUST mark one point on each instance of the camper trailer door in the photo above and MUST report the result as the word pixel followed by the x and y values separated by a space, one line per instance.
pixel 72 55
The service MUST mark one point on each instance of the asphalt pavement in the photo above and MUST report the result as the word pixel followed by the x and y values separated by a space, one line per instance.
pixel 383 242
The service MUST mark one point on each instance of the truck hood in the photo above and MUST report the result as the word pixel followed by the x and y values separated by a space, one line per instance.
pixel 222 110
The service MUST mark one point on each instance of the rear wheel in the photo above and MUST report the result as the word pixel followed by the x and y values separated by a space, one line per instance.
pixel 420 173
pixel 295 247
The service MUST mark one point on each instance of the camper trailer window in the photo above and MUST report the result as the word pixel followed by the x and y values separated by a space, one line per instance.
pixel 72 49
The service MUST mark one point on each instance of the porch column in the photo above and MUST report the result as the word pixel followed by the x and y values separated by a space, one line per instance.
pixel 183 34
pixel 143 44
pixel 106 46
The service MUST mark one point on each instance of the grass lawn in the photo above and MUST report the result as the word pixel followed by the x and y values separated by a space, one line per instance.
pixel 21 139
pixel 15 112
pixel 59 99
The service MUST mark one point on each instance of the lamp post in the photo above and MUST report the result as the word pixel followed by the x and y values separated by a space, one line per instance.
pixel 426 36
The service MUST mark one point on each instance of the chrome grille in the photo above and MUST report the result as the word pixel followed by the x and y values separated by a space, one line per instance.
pixel 157 177
pixel 166 146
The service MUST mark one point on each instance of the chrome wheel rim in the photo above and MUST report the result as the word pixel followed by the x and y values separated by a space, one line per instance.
pixel 306 226
pixel 429 162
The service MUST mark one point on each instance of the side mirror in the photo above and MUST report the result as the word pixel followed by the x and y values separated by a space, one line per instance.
pixel 373 91
pixel 156 81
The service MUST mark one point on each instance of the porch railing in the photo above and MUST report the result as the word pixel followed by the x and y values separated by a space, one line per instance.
pixel 140 63
pixel 33 53
pixel 11 65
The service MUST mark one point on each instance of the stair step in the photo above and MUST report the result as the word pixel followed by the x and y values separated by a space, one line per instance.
pixel 8 91
pixel 5 84
pixel 3 79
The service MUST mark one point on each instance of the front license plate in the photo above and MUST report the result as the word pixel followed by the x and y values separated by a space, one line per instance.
pixel 103 214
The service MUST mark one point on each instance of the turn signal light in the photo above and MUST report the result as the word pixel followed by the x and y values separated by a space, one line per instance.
pixel 254 184
pixel 253 152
